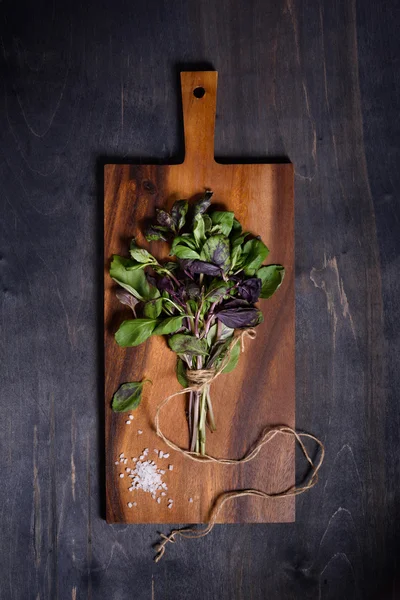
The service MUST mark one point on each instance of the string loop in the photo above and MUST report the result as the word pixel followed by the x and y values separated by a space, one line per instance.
pixel 198 379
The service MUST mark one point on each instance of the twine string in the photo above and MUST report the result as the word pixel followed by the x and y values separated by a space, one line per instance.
pixel 198 379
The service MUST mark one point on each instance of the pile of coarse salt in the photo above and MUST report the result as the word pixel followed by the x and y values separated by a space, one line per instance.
pixel 145 476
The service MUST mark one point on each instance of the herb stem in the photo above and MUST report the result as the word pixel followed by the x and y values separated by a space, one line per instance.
pixel 211 418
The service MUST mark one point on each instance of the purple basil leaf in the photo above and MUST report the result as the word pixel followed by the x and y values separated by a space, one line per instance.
pixel 236 303
pixel 152 280
pixel 200 266
pixel 178 213
pixel 164 284
pixel 237 318
pixel 127 298
pixel 250 289
pixel 202 205
pixel 164 219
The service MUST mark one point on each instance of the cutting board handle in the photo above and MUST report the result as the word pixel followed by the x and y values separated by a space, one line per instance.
pixel 199 100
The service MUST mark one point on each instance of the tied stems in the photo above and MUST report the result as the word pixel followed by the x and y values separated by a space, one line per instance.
pixel 200 414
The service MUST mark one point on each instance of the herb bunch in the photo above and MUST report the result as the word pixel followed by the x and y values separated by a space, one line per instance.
pixel 197 299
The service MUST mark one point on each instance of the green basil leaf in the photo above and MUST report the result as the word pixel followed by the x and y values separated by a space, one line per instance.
pixel 217 290
pixel 152 309
pixel 222 222
pixel 128 396
pixel 211 335
pixel 233 359
pixel 136 266
pixel 181 373
pixel 156 233
pixel 236 256
pixel 236 228
pixel 183 240
pixel 185 253
pixel 218 351
pixel 188 344
pixel 226 332
pixel 134 281
pixel 216 250
pixel 169 325
pixel 255 252
pixel 271 277
pixel 134 332
pixel 207 223
pixel 140 254
pixel 178 213
pixel 199 230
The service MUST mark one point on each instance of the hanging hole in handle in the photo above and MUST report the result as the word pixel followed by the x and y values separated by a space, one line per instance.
pixel 199 92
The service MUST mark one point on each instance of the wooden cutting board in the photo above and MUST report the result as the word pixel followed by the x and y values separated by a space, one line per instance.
pixel 260 391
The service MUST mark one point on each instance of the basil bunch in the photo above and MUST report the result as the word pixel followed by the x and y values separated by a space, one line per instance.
pixel 198 299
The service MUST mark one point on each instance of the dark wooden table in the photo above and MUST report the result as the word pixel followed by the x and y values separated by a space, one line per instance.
pixel 84 83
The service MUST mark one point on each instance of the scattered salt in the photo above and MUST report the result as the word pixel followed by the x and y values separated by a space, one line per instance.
pixel 170 467
pixel 121 455
pixel 161 454
pixel 121 475
pixel 130 504
pixel 190 499
pixel 128 422
pixel 131 417
pixel 140 432
pixel 158 500
pixel 166 455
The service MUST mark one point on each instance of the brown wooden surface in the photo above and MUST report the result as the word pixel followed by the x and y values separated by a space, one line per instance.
pixel 260 391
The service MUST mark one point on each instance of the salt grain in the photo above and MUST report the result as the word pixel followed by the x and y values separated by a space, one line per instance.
pixel 128 422
pixel 116 462
pixel 121 475
pixel 190 499
pixel 125 461
pixel 158 500
pixel 131 417
pixel 171 467
pixel 166 455
pixel 135 504
pixel 140 432
pixel 121 455
pixel 130 504
pixel 161 454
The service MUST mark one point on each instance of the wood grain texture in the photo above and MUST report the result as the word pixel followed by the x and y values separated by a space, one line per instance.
pixel 260 392
pixel 88 84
